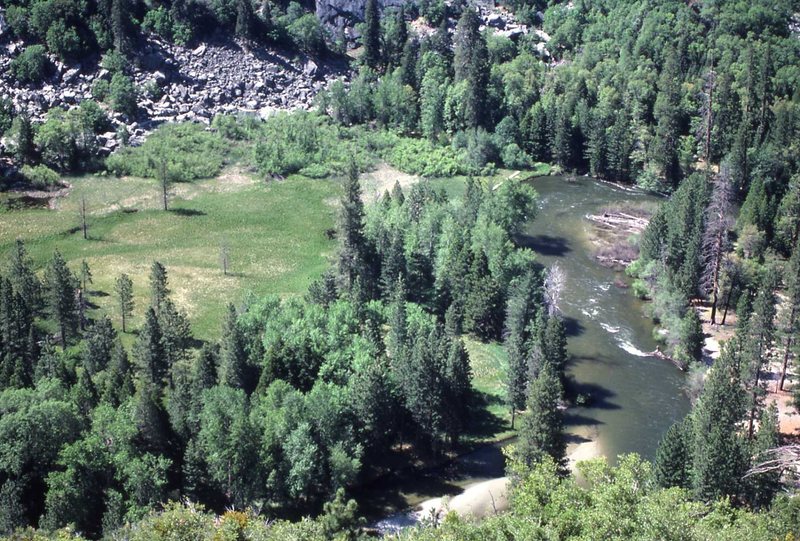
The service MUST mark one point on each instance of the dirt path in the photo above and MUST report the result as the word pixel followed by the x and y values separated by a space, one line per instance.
pixel 382 179
pixel 715 335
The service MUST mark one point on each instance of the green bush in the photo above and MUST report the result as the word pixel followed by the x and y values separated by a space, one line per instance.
pixel 306 33
pixel 100 90
pixel 159 21
pixel 114 62
pixel 41 176
pixel 122 94
pixel 190 150
pixel 92 117
pixel 421 157
pixel 6 115
pixel 31 65
pixel 306 143
pixel 63 40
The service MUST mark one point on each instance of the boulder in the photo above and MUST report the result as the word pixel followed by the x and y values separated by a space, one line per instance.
pixel 495 20
pixel 310 68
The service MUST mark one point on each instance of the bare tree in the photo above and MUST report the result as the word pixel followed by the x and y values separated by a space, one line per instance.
pixel 83 213
pixel 706 128
pixel 777 459
pixel 160 164
pixel 224 257
pixel 715 238
pixel 554 287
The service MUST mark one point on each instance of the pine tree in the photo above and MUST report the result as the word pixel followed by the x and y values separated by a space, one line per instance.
pixel 555 344
pixel 99 344
pixel 372 35
pixel 158 284
pixel 244 18
pixel 516 378
pixel 86 276
pixel 61 301
pixel 119 381
pixel 483 309
pixel 150 351
pixel 23 279
pixel 672 467
pixel 394 263
pixel 205 369
pixel 408 64
pixel 718 460
pixel 763 487
pixel 120 25
pixel 124 289
pixel 374 406
pixel 176 330
pixel 541 433
pixel 760 333
pixel 471 64
pixel 352 243
pixel 458 376
pixel 666 112
pixel 691 337
pixel 398 327
pixel 24 148
pixel 232 354
pixel 790 319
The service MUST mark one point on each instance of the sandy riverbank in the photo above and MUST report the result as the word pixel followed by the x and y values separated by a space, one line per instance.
pixel 490 497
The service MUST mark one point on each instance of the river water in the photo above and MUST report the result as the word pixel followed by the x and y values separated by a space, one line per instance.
pixel 632 397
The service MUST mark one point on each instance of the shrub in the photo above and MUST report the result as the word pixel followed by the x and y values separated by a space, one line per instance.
pixel 92 117
pixel 306 143
pixel 306 33
pixel 63 40
pixel 421 157
pixel 6 115
pixel 114 62
pixel 514 157
pixel 188 148
pixel 57 139
pixel 122 94
pixel 41 176
pixel 159 21
pixel 31 65
pixel 100 90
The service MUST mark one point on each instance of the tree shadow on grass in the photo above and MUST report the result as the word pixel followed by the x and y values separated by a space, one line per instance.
pixel 187 212
pixel 482 422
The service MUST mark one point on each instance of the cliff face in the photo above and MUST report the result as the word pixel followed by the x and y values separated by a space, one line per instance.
pixel 344 14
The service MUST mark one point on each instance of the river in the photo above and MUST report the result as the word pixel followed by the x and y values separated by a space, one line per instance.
pixel 633 397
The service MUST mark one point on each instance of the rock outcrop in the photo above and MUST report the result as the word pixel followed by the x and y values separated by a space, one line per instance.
pixel 178 84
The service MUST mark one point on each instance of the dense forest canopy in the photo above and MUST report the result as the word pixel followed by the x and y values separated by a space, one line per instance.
pixel 300 399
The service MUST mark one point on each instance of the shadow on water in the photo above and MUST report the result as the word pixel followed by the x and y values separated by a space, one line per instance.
pixel 572 418
pixel 546 245
pixel 572 326
pixel 595 396
pixel 575 439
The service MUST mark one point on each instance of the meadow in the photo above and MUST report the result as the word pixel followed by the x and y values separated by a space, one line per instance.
pixel 274 234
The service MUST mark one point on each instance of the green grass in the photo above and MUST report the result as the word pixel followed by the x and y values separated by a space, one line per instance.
pixel 456 185
pixel 275 235
pixel 488 361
